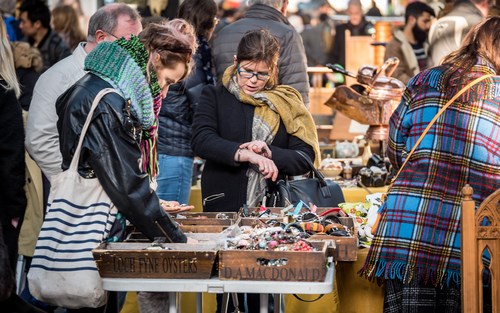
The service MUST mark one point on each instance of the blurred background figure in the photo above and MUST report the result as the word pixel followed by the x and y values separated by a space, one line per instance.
pixel 178 107
pixel 374 10
pixel 35 25
pixel 409 44
pixel 164 8
pixel 7 11
pixel 227 15
pixel 447 33
pixel 318 40
pixel 66 23
pixel 357 25
pixel 77 6
pixel 29 65
pixel 437 6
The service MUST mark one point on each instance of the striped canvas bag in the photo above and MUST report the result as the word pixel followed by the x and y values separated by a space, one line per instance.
pixel 79 217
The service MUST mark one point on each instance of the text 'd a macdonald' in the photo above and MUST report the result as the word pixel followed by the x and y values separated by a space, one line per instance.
pixel 154 265
pixel 272 273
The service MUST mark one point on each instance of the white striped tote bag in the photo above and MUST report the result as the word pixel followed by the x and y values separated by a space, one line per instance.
pixel 79 217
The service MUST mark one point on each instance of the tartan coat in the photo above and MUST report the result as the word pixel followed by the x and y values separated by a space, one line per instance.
pixel 418 236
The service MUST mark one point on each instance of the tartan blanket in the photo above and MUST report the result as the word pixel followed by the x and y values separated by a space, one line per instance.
pixel 418 236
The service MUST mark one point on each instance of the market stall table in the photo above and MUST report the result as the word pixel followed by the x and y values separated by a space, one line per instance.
pixel 367 295
pixel 355 194
pixel 215 285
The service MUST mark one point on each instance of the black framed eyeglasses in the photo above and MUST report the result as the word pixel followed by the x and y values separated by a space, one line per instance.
pixel 111 34
pixel 250 75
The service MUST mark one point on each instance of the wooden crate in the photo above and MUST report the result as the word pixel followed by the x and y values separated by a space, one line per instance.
pixel 345 248
pixel 132 260
pixel 207 218
pixel 300 265
pixel 203 228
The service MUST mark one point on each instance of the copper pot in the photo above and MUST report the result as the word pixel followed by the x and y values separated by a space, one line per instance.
pixel 373 99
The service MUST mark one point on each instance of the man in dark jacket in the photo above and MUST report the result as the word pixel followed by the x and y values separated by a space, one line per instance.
pixel 357 25
pixel 270 15
pixel 35 25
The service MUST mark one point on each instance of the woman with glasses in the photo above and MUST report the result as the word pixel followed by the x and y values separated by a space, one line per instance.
pixel 248 128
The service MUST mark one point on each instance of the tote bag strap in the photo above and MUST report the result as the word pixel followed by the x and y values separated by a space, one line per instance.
pixel 98 97
pixel 458 94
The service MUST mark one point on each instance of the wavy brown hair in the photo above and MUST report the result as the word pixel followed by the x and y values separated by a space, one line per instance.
pixel 174 42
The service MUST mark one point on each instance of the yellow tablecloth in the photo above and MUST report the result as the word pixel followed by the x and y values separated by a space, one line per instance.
pixel 352 294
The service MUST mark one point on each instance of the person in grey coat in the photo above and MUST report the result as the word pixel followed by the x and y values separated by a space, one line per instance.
pixel 270 15
pixel 447 33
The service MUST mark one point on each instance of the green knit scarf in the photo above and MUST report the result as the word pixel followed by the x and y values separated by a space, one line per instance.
pixel 123 63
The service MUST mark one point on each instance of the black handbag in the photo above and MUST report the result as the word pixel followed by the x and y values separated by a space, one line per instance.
pixel 315 190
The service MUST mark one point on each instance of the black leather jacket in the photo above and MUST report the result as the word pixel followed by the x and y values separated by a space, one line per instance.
pixel 111 152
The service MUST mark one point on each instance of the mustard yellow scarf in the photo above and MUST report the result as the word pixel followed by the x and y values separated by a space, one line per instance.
pixel 281 102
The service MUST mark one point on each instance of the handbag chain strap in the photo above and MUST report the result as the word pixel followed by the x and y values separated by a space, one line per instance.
pixel 450 102
pixel 76 155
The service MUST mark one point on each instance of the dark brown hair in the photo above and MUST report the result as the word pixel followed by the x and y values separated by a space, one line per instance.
pixel 201 14
pixel 259 45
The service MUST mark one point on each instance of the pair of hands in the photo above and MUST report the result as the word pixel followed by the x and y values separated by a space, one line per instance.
pixel 257 152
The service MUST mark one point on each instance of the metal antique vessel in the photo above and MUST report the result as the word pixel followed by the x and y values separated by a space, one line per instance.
pixel 372 99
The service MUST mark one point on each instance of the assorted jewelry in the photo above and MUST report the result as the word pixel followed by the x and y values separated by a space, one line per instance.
pixel 272 238
pixel 305 219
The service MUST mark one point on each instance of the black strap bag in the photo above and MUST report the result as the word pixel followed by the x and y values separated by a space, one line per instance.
pixel 315 190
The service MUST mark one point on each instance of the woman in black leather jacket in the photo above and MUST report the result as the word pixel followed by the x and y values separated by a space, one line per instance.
pixel 119 147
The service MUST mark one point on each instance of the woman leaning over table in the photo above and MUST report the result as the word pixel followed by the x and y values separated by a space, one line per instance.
pixel 248 130
pixel 119 147
pixel 416 248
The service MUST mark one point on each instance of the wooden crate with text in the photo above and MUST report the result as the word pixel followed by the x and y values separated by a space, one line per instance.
pixel 274 265
pixel 166 260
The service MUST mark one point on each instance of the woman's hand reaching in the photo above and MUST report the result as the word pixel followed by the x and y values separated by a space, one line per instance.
pixel 174 207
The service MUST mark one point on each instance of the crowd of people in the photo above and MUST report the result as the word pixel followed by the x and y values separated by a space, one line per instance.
pixel 195 79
